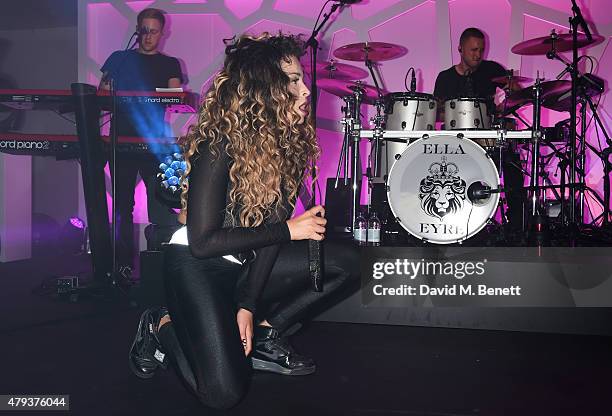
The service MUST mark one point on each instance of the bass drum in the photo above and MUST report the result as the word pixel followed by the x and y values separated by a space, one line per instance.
pixel 428 189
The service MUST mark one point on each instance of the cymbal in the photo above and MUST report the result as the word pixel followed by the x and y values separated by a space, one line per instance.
pixel 504 79
pixel 337 70
pixel 563 43
pixel 374 51
pixel 593 87
pixel 551 91
pixel 346 88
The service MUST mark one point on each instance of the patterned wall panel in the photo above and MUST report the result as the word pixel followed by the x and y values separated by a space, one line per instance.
pixel 243 8
pixel 429 29
pixel 496 25
pixel 412 29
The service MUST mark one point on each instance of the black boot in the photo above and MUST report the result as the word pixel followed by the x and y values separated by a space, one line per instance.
pixel 273 353
pixel 146 354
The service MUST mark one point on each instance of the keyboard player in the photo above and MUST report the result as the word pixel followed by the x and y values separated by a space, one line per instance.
pixel 141 69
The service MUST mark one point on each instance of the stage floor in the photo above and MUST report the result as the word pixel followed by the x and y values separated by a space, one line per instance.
pixel 55 347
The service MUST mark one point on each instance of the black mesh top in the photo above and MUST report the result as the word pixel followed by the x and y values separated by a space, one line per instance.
pixel 211 235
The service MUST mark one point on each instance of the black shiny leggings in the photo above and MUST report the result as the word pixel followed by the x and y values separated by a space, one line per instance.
pixel 203 341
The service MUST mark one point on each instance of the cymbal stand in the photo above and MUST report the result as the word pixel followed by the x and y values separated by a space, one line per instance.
pixel 379 124
pixel 378 120
pixel 535 149
pixel 370 66
pixel 572 68
pixel 507 93
pixel 604 155
pixel 582 159
pixel 575 21
pixel 355 131
pixel 347 122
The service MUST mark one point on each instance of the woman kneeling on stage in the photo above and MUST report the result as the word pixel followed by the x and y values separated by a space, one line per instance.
pixel 241 258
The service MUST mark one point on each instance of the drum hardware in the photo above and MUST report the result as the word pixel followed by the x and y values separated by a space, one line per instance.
pixel 583 88
pixel 535 147
pixel 401 135
pixel 557 134
pixel 347 122
pixel 368 52
pixel 551 46
pixel 379 124
pixel 352 127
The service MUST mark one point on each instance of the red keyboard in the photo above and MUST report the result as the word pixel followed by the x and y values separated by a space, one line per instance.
pixel 61 100
pixel 175 102
pixel 67 145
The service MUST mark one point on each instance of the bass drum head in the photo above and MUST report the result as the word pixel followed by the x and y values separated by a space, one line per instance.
pixel 427 189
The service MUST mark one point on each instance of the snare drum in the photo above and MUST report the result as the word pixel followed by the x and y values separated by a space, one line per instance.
pixel 428 189
pixel 466 114
pixel 404 111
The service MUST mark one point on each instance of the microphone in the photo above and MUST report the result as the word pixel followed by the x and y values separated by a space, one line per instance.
pixel 567 69
pixel 347 2
pixel 469 84
pixel 413 82
pixel 142 31
pixel 478 190
pixel 314 264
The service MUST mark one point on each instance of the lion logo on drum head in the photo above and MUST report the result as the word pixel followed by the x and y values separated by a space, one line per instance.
pixel 442 192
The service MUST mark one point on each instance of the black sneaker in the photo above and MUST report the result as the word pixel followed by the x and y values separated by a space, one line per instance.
pixel 273 353
pixel 146 354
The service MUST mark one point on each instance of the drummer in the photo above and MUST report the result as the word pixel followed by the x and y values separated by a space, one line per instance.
pixel 472 77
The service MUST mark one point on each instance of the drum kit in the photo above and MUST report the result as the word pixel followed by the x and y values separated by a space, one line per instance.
pixel 441 186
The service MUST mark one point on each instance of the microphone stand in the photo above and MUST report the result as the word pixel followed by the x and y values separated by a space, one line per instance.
pixel 313 44
pixel 315 255
pixel 572 67
pixel 116 278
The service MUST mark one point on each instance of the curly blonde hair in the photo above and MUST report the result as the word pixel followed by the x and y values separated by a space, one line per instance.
pixel 249 105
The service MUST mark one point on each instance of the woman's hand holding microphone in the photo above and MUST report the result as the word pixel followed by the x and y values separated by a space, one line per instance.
pixel 308 226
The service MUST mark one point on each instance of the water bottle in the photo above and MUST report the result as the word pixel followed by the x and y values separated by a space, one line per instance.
pixel 373 230
pixel 360 230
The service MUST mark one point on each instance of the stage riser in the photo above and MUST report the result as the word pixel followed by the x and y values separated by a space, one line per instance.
pixel 591 321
